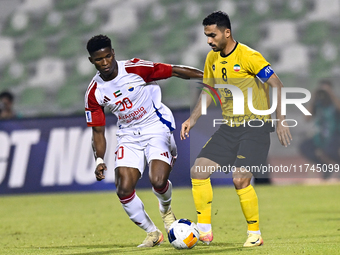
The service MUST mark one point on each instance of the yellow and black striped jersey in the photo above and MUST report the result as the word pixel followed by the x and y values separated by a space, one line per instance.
pixel 244 68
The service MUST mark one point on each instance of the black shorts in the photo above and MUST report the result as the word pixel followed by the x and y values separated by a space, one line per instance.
pixel 239 147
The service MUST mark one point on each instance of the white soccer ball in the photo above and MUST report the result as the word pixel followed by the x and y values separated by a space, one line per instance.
pixel 183 234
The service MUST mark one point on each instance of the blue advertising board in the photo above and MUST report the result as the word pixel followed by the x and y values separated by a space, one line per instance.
pixel 55 155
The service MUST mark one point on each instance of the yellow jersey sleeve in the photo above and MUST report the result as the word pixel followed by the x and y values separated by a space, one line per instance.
pixel 256 62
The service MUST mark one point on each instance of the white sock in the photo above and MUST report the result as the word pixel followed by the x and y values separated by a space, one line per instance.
pixel 258 232
pixel 134 207
pixel 204 227
pixel 164 197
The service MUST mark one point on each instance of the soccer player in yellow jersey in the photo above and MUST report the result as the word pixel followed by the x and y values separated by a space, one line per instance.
pixel 236 143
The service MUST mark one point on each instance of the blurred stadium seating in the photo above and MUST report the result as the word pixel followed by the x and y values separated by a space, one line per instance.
pixel 44 60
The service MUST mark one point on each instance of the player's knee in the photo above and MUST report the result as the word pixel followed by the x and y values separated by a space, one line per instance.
pixel 241 183
pixel 194 173
pixel 199 172
pixel 123 192
pixel 158 182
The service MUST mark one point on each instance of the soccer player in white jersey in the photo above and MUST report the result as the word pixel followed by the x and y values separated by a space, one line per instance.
pixel 128 90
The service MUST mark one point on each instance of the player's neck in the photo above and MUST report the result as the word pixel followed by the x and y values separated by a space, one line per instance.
pixel 112 75
pixel 231 43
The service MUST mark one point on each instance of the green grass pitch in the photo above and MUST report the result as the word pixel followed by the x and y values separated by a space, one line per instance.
pixel 294 220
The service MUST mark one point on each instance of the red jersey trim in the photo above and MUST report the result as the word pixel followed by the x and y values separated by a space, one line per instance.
pixel 149 71
pixel 94 112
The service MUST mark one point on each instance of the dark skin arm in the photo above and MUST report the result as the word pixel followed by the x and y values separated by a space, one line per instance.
pixel 186 72
pixel 99 148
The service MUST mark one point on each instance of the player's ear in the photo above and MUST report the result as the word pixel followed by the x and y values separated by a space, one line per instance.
pixel 227 32
pixel 113 52
pixel 90 59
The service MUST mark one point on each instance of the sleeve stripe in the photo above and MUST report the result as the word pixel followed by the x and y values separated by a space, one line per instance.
pixel 89 87
pixel 140 62
pixel 135 65
pixel 88 92
pixel 149 71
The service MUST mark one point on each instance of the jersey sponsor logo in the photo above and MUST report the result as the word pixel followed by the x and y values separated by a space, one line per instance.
pixel 88 116
pixel 228 94
pixel 240 157
pixel 135 115
pixel 224 62
pixel 237 67
pixel 117 93
pixel 165 154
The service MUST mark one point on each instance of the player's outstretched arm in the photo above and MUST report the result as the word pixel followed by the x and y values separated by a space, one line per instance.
pixel 196 113
pixel 186 72
pixel 99 148
pixel 283 132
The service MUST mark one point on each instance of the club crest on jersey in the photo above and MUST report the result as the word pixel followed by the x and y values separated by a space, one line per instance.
pixel 117 93
pixel 237 68
pixel 131 89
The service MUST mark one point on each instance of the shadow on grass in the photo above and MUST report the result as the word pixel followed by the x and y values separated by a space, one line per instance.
pixel 215 248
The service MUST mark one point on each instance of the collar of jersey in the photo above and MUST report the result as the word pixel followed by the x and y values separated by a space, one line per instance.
pixel 229 52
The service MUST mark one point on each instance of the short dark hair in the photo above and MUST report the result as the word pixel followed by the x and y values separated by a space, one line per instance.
pixel 218 18
pixel 8 95
pixel 98 42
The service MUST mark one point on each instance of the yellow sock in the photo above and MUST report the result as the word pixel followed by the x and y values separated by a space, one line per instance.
pixel 250 207
pixel 203 196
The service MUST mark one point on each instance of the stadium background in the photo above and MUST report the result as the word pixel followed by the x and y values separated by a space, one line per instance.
pixel 44 60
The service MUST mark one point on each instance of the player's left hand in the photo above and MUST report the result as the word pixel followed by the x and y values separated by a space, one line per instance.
pixel 185 129
pixel 283 134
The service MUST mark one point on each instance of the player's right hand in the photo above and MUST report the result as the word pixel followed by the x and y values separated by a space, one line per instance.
pixel 283 134
pixel 99 172
pixel 186 126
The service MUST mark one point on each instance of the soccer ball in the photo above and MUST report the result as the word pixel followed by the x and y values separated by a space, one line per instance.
pixel 183 234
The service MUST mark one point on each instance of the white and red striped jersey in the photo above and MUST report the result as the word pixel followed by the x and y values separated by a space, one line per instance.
pixel 133 96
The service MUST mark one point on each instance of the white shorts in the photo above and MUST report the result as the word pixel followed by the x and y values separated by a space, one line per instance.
pixel 137 149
